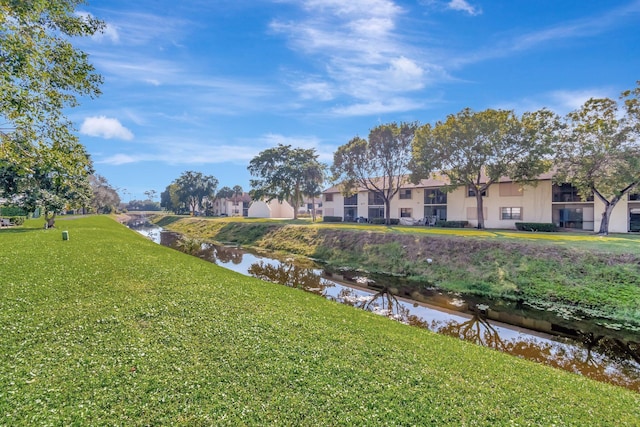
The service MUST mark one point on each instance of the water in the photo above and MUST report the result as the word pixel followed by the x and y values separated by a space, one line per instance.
pixel 576 345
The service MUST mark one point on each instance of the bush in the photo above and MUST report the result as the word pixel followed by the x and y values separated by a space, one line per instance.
pixel 17 220
pixel 452 224
pixel 9 211
pixel 392 221
pixel 536 226
pixel 331 219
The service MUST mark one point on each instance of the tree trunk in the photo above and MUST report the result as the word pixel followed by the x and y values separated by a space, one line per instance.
pixel 480 207
pixel 606 216
pixel 294 205
pixel 49 220
pixel 387 211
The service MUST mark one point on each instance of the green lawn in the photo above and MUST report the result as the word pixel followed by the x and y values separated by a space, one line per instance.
pixel 108 328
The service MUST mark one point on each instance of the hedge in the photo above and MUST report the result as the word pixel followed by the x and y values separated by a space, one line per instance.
pixel 452 224
pixel 536 226
pixel 331 219
pixel 9 211
pixel 380 221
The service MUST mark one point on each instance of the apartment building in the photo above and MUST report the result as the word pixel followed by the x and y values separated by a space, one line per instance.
pixel 504 204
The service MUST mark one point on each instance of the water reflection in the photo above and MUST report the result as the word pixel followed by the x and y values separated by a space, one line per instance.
pixel 604 357
pixel 288 274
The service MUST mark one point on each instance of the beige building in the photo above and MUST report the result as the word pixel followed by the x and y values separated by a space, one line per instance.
pixel 233 206
pixel 505 203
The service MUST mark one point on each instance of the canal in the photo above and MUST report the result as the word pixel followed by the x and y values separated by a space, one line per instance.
pixel 588 347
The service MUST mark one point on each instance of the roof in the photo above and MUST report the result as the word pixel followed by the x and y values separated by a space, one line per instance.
pixel 437 181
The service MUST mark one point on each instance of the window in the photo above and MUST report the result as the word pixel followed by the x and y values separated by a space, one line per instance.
pixel 511 213
pixel 405 213
pixel 350 214
pixel 634 197
pixel 351 200
pixel 472 193
pixel 376 212
pixel 435 213
pixel 405 193
pixel 435 196
pixel 634 219
pixel 567 193
pixel 375 198
pixel 328 197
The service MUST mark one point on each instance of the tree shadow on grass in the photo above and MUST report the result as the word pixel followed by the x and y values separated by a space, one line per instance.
pixel 13 230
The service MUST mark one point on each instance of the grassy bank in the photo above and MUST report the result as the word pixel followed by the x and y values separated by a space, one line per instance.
pixel 599 275
pixel 109 328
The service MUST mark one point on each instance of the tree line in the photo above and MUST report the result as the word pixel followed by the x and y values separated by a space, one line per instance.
pixel 281 173
pixel 595 148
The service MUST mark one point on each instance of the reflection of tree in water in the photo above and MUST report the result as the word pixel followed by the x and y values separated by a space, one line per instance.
pixel 288 274
pixel 614 348
pixel 383 302
pixel 227 254
pixel 589 360
pixel 476 330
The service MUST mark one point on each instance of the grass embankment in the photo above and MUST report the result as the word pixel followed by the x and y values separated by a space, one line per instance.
pixel 110 329
pixel 600 275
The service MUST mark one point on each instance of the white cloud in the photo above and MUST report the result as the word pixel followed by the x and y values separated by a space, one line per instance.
pixel 105 127
pixel 325 152
pixel 148 70
pixel 578 28
pixel 573 99
pixel 136 28
pixel 560 101
pixel 357 42
pixel 109 31
pixel 378 107
pixel 406 74
pixel 119 159
pixel 321 91
pixel 463 6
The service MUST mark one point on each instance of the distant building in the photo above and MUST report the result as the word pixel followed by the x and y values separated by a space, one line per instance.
pixel 232 206
pixel 505 203
pixel 272 209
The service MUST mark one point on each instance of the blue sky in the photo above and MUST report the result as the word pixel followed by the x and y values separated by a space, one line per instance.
pixel 206 85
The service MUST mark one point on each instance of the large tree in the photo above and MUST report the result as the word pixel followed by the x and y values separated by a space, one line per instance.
pixel 41 74
pixel 282 172
pixel 194 187
pixel 170 200
pixel 379 164
pixel 105 198
pixel 237 192
pixel 314 178
pixel 57 180
pixel 476 149
pixel 598 150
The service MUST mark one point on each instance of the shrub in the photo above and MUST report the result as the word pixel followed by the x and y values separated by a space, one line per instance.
pixel 536 226
pixel 392 221
pixel 9 211
pixel 452 224
pixel 17 220
pixel 331 219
